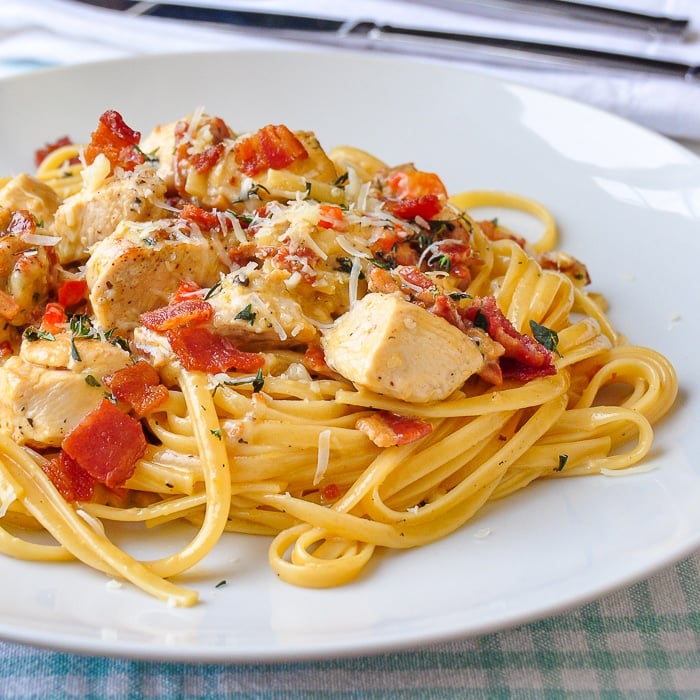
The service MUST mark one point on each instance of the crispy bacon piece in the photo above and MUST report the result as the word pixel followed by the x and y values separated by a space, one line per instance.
pixel 524 358
pixel 115 140
pixel 387 429
pixel 107 444
pixel 41 153
pixel 139 386
pixel 181 313
pixel 206 220
pixel 272 146
pixel 71 480
pixel 199 349
pixel 494 232
pixel 204 161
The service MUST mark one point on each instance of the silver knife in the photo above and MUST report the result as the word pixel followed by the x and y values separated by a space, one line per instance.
pixel 367 34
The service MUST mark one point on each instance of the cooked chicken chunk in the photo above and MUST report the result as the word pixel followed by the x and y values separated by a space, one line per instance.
pixel 393 347
pixel 139 266
pixel 30 194
pixel 45 391
pixel 93 213
pixel 27 272
pixel 257 310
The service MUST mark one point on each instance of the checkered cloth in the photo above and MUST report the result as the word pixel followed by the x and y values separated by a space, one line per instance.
pixel 641 642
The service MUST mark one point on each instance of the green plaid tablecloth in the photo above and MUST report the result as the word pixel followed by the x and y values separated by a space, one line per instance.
pixel 642 642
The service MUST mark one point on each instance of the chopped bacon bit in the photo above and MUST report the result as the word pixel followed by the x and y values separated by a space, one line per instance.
pixel 54 317
pixel 332 216
pixel 139 386
pixel 72 292
pixel 199 349
pixel 273 146
pixel 21 221
pixel 115 140
pixel 41 153
pixel 204 161
pixel 524 357
pixel 459 255
pixel 206 220
pixel 9 307
pixel 301 259
pixel 69 478
pixel 409 193
pixel 178 314
pixel 387 429
pixel 106 443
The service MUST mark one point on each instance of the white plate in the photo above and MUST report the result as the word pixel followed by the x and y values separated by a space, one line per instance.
pixel 628 202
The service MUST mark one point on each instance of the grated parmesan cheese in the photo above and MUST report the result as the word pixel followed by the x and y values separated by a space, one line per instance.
pixel 324 451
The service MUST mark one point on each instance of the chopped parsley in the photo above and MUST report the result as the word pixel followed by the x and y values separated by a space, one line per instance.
pixel 31 334
pixel 563 459
pixel 246 314
pixel 545 336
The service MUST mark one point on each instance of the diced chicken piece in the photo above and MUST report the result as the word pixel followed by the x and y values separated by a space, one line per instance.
pixel 26 192
pixel 139 266
pixel 94 213
pixel 393 347
pixel 45 391
pixel 27 272
pixel 257 310
pixel 160 145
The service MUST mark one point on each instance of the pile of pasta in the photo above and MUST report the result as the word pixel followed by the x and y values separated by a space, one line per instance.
pixel 332 468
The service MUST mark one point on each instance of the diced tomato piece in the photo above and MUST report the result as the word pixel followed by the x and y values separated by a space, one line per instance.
pixel 330 493
pixel 178 314
pixel 139 386
pixel 332 216
pixel 115 140
pixel 315 360
pixel 72 292
pixel 411 193
pixel 71 480
pixel 41 153
pixel 199 349
pixel 54 317
pixel 106 443
pixel 273 146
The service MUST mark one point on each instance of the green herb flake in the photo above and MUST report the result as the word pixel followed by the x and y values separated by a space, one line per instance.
pixel 74 351
pixel 216 433
pixel 545 336
pixel 246 314
pixel 563 459
pixel 212 290
pixel 91 381
pixel 221 583
pixel 31 334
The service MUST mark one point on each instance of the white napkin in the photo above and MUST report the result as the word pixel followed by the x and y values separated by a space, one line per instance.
pixel 36 33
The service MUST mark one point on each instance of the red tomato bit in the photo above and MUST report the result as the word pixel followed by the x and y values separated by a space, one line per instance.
pixel 72 292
